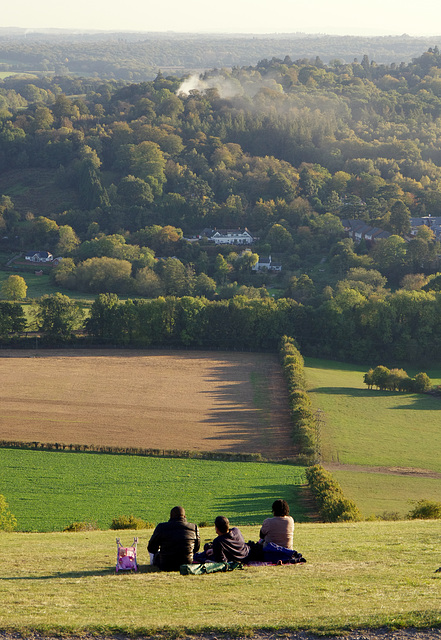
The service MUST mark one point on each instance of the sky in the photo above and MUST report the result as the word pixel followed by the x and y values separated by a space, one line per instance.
pixel 336 17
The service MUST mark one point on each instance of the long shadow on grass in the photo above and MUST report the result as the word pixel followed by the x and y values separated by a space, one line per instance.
pixel 258 507
pixel 68 574
pixel 420 401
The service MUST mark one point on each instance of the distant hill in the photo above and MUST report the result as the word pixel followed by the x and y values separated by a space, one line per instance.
pixel 138 56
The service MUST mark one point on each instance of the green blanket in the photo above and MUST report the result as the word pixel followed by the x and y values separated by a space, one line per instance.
pixel 208 567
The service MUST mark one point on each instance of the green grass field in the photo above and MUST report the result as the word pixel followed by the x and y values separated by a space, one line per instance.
pixel 41 285
pixel 380 493
pixel 369 574
pixel 46 491
pixel 371 427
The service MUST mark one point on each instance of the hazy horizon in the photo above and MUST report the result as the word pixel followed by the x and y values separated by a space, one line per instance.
pixel 247 17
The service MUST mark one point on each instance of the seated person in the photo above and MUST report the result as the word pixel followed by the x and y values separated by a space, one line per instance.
pixel 280 528
pixel 229 544
pixel 174 542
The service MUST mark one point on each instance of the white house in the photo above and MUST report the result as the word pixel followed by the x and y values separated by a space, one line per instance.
pixel 266 263
pixel 39 256
pixel 228 236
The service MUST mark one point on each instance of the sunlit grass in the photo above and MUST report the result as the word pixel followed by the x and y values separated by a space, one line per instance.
pixel 380 493
pixel 371 427
pixel 356 575
pixel 46 491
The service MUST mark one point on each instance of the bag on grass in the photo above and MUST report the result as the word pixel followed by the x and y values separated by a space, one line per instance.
pixel 275 553
pixel 208 567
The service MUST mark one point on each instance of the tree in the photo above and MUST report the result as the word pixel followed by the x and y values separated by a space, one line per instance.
pixel 135 192
pixel 68 240
pixel 425 510
pixel 279 238
pixel 147 283
pixel 389 256
pixel 8 522
pixel 57 317
pixel 380 377
pixel 365 281
pixel 101 321
pixel 399 218
pixel 177 278
pixel 104 275
pixel 246 261
pixel 368 378
pixel 163 240
pixel 221 269
pixel 43 118
pixel 422 383
pixel 12 318
pixel 43 232
pixel 204 286
pixel 63 274
pixel 145 161
pixel 14 288
pixel 300 288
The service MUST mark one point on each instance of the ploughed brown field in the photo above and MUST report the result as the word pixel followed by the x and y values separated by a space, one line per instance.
pixel 200 401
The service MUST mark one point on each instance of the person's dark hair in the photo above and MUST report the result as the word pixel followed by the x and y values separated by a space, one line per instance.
pixel 176 513
pixel 280 508
pixel 222 524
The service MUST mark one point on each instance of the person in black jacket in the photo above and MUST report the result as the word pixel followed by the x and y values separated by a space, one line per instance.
pixel 174 542
pixel 229 544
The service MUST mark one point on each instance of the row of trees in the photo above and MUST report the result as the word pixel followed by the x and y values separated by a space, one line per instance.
pixel 396 380
pixel 302 415
pixel 401 326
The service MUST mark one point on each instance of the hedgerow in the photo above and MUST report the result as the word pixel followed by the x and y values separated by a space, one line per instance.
pixel 425 510
pixel 81 526
pixel 332 504
pixel 133 451
pixel 130 522
pixel 302 415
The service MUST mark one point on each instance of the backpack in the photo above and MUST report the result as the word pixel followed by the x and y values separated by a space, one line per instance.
pixel 275 553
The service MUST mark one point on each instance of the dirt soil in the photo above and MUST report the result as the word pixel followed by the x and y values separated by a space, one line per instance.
pixel 361 634
pixel 201 401
pixel 398 471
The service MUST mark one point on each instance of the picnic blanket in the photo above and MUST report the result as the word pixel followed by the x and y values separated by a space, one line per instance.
pixel 208 567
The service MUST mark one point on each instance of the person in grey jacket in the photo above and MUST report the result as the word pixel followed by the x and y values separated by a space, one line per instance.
pixel 174 542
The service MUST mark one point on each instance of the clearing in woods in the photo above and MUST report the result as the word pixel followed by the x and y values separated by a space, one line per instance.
pixel 200 401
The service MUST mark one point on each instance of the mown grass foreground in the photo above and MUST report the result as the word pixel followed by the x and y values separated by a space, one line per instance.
pixel 357 575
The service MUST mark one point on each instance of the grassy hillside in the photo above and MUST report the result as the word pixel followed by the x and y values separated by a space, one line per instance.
pixel 371 427
pixel 382 493
pixel 393 438
pixel 46 491
pixel 356 575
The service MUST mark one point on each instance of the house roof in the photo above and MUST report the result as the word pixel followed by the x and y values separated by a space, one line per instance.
pixel 225 232
pixel 40 254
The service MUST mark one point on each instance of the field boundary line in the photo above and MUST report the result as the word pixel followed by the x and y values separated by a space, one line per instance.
pixel 148 453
